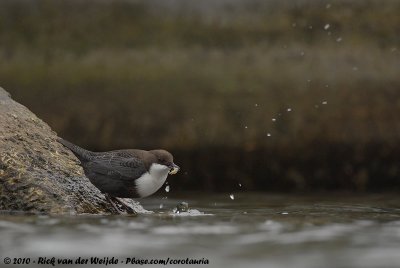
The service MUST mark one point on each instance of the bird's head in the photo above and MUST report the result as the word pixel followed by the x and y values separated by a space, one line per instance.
pixel 166 159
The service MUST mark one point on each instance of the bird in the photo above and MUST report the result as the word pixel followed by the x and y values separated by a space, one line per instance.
pixel 127 173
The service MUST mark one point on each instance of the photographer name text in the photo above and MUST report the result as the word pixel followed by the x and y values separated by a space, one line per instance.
pixel 53 261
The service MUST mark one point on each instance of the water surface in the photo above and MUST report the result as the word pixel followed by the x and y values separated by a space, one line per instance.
pixel 253 230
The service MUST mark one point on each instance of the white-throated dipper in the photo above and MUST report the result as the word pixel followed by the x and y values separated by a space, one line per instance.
pixel 129 173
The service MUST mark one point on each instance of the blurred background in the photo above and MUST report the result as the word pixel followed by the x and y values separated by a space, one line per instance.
pixel 283 96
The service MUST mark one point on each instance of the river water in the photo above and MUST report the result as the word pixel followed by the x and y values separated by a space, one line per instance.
pixel 251 230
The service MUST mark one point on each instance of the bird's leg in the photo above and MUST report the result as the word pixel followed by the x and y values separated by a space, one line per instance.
pixel 109 199
pixel 126 206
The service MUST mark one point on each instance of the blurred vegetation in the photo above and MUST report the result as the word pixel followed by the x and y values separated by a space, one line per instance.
pixel 274 95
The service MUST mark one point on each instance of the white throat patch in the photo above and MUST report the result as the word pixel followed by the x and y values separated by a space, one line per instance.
pixel 152 180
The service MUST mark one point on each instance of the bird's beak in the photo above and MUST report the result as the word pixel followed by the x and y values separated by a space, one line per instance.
pixel 173 169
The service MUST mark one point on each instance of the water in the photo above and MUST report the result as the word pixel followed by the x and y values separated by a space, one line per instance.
pixel 253 230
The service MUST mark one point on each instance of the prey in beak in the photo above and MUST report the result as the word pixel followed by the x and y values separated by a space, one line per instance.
pixel 173 169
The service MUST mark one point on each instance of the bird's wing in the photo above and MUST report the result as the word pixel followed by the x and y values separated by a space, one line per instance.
pixel 117 166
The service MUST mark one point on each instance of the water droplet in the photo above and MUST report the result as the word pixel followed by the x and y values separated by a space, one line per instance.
pixel 289 109
pixel 328 6
pixel 268 134
pixel 232 196
pixel 245 127
pixel 161 206
pixel 256 105
pixel 324 102
pixel 326 27
pixel 240 185
pixel 339 39
pixel 285 213
pixel 310 27
pixel 167 188
pixel 273 119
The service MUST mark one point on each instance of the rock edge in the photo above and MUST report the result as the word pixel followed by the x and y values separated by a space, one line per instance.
pixel 38 174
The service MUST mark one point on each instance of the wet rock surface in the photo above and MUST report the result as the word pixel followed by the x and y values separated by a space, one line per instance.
pixel 37 174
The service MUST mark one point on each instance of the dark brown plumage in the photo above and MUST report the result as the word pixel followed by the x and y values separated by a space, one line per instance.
pixel 129 173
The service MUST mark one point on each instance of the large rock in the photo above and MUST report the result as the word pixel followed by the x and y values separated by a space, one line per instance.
pixel 38 174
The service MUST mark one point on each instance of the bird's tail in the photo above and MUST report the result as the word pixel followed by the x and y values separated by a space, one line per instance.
pixel 82 154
